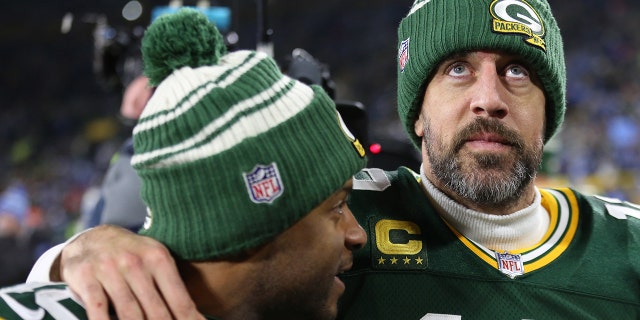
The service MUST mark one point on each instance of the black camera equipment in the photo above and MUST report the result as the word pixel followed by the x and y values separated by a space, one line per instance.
pixel 117 61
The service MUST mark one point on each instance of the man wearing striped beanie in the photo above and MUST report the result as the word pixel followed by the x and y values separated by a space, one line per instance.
pixel 481 89
pixel 245 173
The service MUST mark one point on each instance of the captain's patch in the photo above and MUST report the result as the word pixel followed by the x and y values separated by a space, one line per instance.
pixel 397 245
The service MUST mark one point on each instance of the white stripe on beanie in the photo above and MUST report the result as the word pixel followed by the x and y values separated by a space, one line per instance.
pixel 281 110
pixel 168 100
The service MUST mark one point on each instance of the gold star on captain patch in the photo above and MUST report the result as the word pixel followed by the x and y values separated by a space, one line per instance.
pixel 406 260
pixel 394 260
pixel 418 260
pixel 381 260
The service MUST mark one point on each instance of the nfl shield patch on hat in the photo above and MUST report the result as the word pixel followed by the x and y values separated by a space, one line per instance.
pixel 264 183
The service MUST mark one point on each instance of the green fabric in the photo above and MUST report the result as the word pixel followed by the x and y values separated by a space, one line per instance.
pixel 596 277
pixel 167 47
pixel 45 301
pixel 233 153
pixel 436 29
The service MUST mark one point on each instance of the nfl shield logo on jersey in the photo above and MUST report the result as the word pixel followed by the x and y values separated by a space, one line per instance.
pixel 264 183
pixel 510 264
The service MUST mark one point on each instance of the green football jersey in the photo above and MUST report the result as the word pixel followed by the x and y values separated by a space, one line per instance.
pixel 416 266
pixel 40 301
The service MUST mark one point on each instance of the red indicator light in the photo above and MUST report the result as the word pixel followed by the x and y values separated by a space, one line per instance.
pixel 375 148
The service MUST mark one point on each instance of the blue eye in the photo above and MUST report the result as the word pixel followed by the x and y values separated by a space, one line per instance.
pixel 459 69
pixel 517 71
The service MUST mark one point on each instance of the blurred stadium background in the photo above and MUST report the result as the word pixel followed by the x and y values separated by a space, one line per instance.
pixel 60 97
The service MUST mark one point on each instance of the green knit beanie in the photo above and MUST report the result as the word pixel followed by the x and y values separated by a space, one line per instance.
pixel 230 151
pixel 435 29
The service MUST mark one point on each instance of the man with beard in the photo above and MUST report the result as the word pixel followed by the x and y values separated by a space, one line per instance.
pixel 481 89
pixel 223 150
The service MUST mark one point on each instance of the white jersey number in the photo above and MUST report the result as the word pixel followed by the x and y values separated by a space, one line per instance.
pixel 47 297
pixel 619 209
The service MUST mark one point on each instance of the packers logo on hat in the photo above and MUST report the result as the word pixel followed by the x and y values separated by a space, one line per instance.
pixel 518 17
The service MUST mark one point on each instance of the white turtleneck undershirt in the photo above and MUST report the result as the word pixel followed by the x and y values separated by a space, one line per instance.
pixel 518 230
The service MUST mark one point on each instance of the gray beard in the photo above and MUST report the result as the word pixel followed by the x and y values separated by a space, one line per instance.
pixel 493 180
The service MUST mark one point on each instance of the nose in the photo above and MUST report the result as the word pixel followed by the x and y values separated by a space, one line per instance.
pixel 355 237
pixel 488 95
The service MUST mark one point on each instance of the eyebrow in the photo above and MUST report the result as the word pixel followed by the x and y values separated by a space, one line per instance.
pixel 456 55
pixel 347 188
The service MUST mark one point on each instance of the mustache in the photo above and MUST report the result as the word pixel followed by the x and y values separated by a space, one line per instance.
pixel 493 126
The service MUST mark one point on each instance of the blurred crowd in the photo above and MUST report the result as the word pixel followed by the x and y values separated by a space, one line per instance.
pixel 51 166
pixel 599 147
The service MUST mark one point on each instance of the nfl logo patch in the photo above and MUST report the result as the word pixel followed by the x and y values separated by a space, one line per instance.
pixel 403 54
pixel 510 264
pixel 264 183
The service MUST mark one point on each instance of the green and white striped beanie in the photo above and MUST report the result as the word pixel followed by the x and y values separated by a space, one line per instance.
pixel 231 152
pixel 435 29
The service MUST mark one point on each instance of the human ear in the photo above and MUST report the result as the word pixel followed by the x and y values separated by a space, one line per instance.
pixel 418 126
